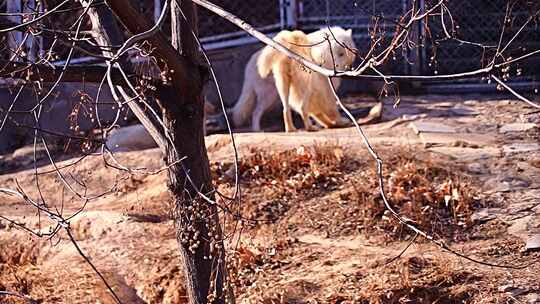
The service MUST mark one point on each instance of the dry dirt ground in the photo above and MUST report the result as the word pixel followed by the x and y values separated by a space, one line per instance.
pixel 317 230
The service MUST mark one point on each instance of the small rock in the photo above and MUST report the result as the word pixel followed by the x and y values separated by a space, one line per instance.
pixel 470 102
pixel 472 140
pixel 506 184
pixel 431 127
pixel 215 124
pixel 28 152
pixel 521 147
pixel 505 288
pixel 413 116
pixel 446 104
pixel 531 117
pixel 533 298
pixel 469 155
pixel 517 208
pixel 528 166
pixel 518 291
pixel 520 227
pixel 515 291
pixel 230 174
pixel 130 138
pixel 517 127
pixel 464 112
pixel 533 243
pixel 477 168
pixel 483 215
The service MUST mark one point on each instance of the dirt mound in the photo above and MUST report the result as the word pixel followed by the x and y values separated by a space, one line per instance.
pixel 313 228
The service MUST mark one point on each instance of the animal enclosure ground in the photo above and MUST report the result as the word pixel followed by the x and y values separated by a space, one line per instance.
pixel 315 228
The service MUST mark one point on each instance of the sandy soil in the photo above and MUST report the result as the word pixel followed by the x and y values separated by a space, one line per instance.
pixel 322 235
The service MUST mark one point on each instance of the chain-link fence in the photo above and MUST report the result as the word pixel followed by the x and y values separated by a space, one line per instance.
pixel 358 16
pixel 478 25
pixel 266 16
pixel 477 21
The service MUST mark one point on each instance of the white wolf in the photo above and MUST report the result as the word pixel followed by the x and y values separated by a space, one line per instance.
pixel 308 93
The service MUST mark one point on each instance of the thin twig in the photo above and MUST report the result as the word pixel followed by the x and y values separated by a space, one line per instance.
pixel 509 89
pixel 89 262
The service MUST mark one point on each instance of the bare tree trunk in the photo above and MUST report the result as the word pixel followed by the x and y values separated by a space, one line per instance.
pixel 197 223
pixel 196 220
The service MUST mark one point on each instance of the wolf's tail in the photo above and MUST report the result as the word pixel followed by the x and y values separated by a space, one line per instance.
pixel 244 106
pixel 265 61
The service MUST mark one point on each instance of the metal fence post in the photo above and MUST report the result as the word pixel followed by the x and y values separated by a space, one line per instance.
pixel 417 55
pixel 157 9
pixel 14 39
pixel 291 13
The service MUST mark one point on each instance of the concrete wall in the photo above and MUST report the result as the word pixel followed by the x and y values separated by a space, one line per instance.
pixel 229 67
pixel 228 63
pixel 57 113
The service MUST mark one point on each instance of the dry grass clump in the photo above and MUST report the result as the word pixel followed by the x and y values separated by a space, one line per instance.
pixel 438 199
pixel 249 267
pixel 326 189
pixel 273 181
pixel 416 279
pixel 18 271
pixel 290 170
pixel 269 277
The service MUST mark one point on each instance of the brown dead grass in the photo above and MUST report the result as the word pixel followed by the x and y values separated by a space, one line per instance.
pixel 418 279
pixel 279 276
pixel 19 271
pixel 438 198
pixel 322 190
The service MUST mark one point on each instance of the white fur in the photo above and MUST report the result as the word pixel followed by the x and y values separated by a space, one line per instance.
pixel 259 93
pixel 130 138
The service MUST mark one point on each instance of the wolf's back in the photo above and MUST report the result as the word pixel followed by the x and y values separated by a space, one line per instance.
pixel 297 41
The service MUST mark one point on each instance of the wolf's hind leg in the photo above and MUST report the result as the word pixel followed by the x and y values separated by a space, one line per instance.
pixel 283 88
pixel 263 104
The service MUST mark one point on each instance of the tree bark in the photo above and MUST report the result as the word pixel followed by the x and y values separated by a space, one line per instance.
pixel 196 220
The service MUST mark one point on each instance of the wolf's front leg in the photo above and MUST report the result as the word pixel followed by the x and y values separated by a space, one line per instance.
pixel 307 123
pixel 287 119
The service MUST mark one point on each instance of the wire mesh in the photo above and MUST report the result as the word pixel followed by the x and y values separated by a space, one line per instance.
pixel 476 21
pixel 358 16
pixel 480 22
pixel 263 15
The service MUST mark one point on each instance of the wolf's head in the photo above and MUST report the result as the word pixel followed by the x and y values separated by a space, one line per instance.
pixel 333 47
